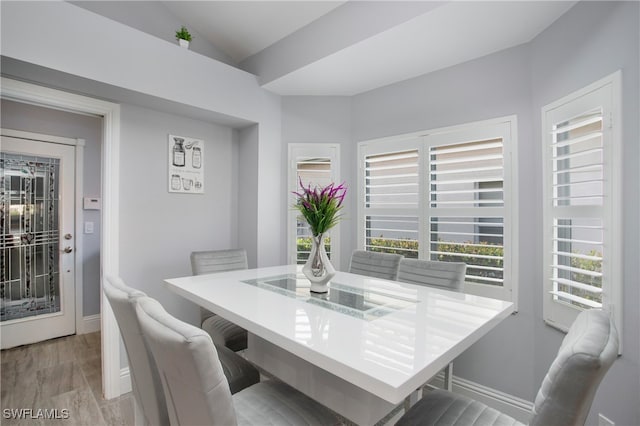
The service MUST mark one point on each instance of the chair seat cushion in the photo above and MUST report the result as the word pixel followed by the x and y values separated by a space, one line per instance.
pixel 274 403
pixel 239 372
pixel 225 333
pixel 442 408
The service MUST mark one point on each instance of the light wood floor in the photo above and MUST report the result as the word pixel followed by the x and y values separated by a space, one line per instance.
pixel 56 375
pixel 65 374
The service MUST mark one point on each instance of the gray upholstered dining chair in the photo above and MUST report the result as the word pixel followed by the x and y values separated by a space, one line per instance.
pixel 147 388
pixel 567 391
pixel 196 390
pixel 374 264
pixel 222 331
pixel 444 275
pixel 432 273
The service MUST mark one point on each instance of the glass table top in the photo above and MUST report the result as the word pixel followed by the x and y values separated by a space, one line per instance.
pixel 356 302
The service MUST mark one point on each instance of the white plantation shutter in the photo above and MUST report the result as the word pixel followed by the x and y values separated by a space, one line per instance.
pixel 577 196
pixel 446 196
pixel 469 204
pixel 390 196
pixel 580 204
pixel 315 165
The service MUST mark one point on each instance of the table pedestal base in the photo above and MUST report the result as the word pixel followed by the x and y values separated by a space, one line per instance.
pixel 346 399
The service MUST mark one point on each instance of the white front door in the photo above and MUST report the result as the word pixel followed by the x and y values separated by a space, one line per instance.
pixel 37 218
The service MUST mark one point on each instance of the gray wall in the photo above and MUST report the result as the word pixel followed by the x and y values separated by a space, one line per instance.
pixel 592 40
pixel 30 118
pixel 158 229
pixel 246 184
pixel 153 18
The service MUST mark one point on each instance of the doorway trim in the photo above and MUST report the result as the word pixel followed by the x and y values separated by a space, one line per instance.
pixel 51 98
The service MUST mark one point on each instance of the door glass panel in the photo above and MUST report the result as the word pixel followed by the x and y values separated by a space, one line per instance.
pixel 29 270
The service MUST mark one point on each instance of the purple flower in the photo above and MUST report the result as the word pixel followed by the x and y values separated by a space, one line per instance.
pixel 320 206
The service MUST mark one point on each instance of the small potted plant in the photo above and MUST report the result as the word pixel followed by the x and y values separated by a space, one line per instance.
pixel 184 37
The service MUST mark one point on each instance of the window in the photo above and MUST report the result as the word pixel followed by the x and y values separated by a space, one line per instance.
pixel 315 165
pixel 448 196
pixel 582 242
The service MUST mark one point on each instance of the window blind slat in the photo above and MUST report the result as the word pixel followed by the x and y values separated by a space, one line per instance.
pixel 578 271
pixel 578 285
pixel 578 154
pixel 467 191
pixel 577 256
pixel 466 170
pixel 475 256
pixel 582 182
pixel 377 158
pixel 478 158
pixel 591 118
pixel 577 241
pixel 573 141
pixel 452 149
pixel 577 299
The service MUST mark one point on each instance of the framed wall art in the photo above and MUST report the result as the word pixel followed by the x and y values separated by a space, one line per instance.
pixel 186 165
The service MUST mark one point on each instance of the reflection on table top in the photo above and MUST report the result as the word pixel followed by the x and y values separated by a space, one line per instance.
pixel 378 334
pixel 364 303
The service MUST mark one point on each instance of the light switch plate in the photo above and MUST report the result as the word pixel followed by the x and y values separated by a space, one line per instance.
pixel 88 227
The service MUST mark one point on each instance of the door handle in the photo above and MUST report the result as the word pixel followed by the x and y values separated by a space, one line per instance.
pixel 68 249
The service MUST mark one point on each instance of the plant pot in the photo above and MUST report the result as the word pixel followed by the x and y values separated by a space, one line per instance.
pixel 318 268
pixel 183 43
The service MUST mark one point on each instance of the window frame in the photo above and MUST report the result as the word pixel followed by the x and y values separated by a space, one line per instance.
pixel 606 94
pixel 505 127
pixel 297 151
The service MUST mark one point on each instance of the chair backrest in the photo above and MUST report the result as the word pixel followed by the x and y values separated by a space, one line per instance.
pixel 586 353
pixel 196 390
pixel 445 275
pixel 147 387
pixel 374 264
pixel 210 261
pixel 207 262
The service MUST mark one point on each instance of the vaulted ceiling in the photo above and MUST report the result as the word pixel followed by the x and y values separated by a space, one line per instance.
pixel 349 47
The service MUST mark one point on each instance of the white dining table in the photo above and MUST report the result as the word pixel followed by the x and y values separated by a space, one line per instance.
pixel 360 349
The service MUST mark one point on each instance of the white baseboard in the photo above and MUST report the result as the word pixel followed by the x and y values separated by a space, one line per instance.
pixel 513 406
pixel 90 324
pixel 125 381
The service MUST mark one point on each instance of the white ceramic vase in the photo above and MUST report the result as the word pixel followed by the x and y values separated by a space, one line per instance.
pixel 183 43
pixel 318 268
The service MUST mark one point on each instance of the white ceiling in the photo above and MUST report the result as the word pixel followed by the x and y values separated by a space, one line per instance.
pixel 444 34
pixel 451 34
